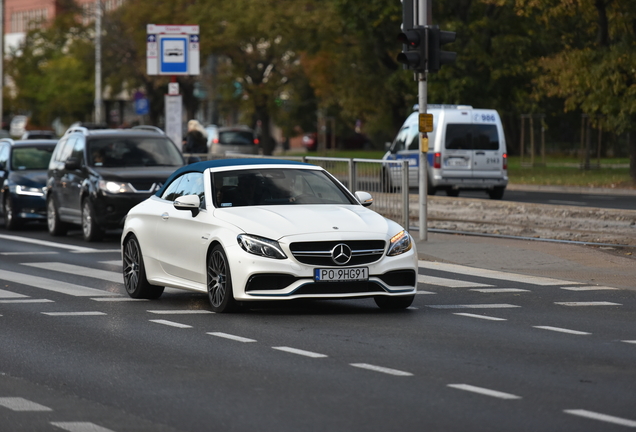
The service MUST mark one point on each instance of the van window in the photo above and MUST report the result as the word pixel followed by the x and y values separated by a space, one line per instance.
pixel 463 136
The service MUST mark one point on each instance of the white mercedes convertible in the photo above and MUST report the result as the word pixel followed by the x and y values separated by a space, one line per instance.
pixel 261 229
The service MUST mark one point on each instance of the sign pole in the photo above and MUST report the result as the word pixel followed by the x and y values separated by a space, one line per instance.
pixel 422 89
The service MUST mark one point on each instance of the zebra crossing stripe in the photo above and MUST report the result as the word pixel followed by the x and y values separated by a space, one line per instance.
pixel 52 285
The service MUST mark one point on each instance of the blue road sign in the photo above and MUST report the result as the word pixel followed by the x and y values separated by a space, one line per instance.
pixel 174 54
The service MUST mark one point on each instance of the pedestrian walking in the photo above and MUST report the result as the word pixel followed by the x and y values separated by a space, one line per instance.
pixel 196 138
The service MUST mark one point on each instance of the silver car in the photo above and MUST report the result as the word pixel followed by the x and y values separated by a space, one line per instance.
pixel 235 140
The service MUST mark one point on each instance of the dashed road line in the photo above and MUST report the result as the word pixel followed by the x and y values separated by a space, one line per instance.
pixel 500 290
pixel 484 391
pixel 171 323
pixel 21 404
pixel 562 330
pixel 48 244
pixel 601 417
pixel 474 306
pixel 381 369
pixel 118 299
pixel 425 292
pixel 80 427
pixel 27 301
pixel 53 285
pixel 86 313
pixel 448 283
pixel 180 311
pixel 588 288
pixel 232 337
pixel 486 317
pixel 592 303
pixel 629 341
pixel 300 352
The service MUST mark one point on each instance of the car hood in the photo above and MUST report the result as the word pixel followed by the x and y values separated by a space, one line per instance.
pixel 276 222
pixel 129 174
pixel 28 178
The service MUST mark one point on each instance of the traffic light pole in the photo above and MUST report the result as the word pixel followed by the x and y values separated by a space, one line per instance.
pixel 422 92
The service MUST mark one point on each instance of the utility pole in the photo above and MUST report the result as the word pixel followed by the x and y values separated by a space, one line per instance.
pixel 1 62
pixel 98 62
pixel 422 94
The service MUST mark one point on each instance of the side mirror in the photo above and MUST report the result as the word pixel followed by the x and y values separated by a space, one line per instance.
pixel 188 202
pixel 365 198
pixel 72 164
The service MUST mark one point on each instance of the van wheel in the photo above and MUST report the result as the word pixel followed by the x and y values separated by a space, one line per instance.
pixel 91 231
pixel 452 192
pixel 55 225
pixel 496 193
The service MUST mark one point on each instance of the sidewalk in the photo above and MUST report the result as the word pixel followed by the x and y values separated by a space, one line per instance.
pixel 590 265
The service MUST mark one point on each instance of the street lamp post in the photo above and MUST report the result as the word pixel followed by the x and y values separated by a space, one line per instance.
pixel 98 61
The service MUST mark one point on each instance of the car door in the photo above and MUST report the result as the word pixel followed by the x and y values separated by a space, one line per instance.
pixel 457 156
pixel 181 239
pixel 56 181
pixel 487 144
pixel 72 179
pixel 5 151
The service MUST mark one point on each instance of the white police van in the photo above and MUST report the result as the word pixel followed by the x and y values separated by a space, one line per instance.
pixel 467 150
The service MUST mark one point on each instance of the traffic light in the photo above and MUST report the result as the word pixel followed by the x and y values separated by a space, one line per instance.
pixel 413 55
pixel 437 57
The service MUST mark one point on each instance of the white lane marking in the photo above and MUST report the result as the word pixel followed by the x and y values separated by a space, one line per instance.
pixel 381 369
pixel 484 391
pixel 21 404
pixel 180 312
pixel 113 262
pixel 629 341
pixel 48 244
pixel 118 299
pixel 448 283
pixel 412 308
pixel 300 352
pixel 87 313
pixel 8 294
pixel 79 271
pixel 29 253
pixel 232 337
pixel 99 251
pixel 80 427
pixel 493 274
pixel 474 306
pixel 594 303
pixel 27 301
pixel 588 288
pixel 53 285
pixel 425 292
pixel 499 290
pixel 486 317
pixel 562 330
pixel 601 417
pixel 171 323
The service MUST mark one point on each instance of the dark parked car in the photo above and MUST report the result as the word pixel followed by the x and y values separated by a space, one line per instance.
pixel 96 176
pixel 23 166
pixel 235 140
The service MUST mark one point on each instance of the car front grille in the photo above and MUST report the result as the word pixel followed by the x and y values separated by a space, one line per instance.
pixel 320 253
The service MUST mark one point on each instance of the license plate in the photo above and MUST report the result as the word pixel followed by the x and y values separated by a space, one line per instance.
pixel 341 274
pixel 457 162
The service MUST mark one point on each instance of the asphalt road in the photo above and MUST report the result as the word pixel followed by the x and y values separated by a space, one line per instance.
pixel 625 200
pixel 479 350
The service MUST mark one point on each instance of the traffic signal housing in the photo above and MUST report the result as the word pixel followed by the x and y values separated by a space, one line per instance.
pixel 413 54
pixel 435 40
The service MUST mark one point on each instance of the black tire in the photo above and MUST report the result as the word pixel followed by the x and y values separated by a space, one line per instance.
pixel 55 226
pixel 90 230
pixel 11 220
pixel 496 193
pixel 452 192
pixel 220 282
pixel 135 281
pixel 394 303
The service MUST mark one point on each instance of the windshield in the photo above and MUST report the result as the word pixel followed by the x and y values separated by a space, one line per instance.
pixel 31 158
pixel 118 152
pixel 461 136
pixel 275 186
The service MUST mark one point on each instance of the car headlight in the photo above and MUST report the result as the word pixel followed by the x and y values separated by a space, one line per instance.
pixel 261 246
pixel 31 191
pixel 400 243
pixel 114 187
